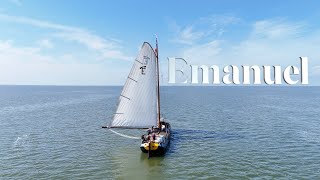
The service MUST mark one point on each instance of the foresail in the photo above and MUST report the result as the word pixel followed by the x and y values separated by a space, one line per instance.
pixel 137 106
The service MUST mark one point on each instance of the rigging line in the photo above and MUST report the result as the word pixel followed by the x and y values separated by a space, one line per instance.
pixel 123 135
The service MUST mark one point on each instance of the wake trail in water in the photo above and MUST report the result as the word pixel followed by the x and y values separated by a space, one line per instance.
pixel 123 135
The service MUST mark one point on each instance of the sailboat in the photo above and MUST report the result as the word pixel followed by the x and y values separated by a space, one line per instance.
pixel 139 103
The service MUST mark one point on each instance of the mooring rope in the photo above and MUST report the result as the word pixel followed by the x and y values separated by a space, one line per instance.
pixel 123 135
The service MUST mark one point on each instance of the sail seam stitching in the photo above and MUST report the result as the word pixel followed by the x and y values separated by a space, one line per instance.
pixel 132 79
pixel 124 96
pixel 139 61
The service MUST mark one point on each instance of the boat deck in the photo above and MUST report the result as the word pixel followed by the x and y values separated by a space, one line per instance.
pixel 162 133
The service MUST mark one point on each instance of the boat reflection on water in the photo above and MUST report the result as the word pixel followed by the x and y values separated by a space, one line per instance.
pixel 153 162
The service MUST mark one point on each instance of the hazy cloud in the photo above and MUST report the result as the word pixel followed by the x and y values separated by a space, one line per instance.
pixel 39 62
pixel 108 48
pixel 277 28
pixel 205 27
pixel 45 43
pixel 27 65
pixel 268 42
pixel 16 2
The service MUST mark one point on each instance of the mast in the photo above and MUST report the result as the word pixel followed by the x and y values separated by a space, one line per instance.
pixel 158 86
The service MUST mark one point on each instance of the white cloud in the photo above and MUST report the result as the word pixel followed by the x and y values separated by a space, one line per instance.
pixel 44 62
pixel 270 42
pixel 202 52
pixel 315 70
pixel 16 2
pixel 27 65
pixel 45 43
pixel 37 23
pixel 188 36
pixel 220 20
pixel 108 48
pixel 277 28
pixel 205 27
pixel 6 48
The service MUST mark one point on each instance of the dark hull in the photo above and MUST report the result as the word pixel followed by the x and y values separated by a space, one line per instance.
pixel 158 147
pixel 160 151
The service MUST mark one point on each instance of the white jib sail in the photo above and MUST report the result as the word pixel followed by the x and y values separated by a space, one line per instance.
pixel 137 106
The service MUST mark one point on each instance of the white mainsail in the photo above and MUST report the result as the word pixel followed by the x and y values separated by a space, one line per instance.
pixel 137 106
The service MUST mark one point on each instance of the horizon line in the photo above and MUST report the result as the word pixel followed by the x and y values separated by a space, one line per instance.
pixel 182 85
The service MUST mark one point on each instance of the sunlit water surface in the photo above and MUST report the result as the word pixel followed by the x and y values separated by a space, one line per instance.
pixel 52 132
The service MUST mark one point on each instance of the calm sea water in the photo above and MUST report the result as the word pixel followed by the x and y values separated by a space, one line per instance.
pixel 49 132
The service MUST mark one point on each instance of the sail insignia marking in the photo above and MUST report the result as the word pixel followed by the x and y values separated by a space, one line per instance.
pixel 143 69
pixel 145 60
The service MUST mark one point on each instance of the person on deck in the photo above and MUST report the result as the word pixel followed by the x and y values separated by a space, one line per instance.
pixel 163 127
pixel 153 136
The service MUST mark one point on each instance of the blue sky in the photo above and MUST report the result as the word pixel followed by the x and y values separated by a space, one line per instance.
pixel 94 43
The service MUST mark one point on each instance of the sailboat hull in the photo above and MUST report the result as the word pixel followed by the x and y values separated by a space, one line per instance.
pixel 157 142
pixel 158 151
